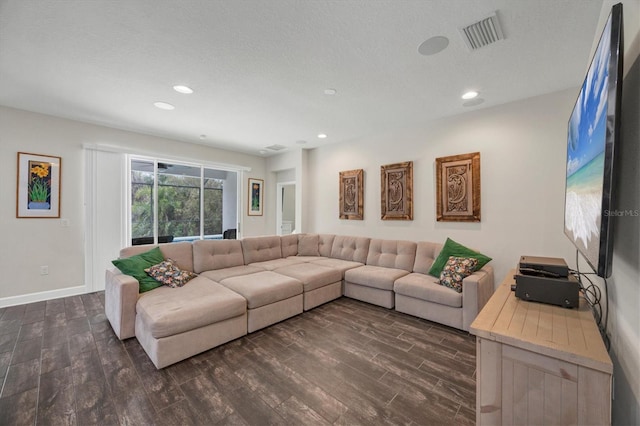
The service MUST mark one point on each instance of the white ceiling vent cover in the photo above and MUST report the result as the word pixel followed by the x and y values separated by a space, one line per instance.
pixel 482 33
pixel 276 147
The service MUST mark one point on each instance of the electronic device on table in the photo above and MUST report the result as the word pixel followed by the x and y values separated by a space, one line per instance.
pixel 546 280
pixel 551 267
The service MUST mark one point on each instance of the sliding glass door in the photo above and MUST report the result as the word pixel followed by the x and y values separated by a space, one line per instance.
pixel 173 201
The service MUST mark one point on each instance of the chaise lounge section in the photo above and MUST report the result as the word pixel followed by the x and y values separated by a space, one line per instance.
pixel 245 285
pixel 171 327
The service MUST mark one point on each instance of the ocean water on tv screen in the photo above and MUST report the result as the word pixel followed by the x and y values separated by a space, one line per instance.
pixel 584 206
pixel 586 156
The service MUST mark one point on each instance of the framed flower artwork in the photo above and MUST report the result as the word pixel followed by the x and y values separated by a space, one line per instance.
pixel 38 187
pixel 256 196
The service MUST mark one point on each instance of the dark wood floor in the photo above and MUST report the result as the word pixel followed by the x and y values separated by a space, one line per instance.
pixel 343 363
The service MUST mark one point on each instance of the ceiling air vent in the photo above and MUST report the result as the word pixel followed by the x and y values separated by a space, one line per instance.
pixel 482 33
pixel 276 147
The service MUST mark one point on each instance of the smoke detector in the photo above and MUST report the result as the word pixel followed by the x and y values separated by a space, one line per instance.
pixel 482 33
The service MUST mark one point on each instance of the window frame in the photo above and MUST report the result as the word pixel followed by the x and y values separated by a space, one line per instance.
pixel 202 166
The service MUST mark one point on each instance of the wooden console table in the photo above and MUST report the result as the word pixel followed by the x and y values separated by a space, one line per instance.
pixel 539 364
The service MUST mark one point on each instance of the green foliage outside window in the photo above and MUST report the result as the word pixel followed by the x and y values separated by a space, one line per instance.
pixel 178 205
pixel 141 204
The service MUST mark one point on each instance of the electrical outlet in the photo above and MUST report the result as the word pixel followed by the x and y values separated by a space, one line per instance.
pixel 44 270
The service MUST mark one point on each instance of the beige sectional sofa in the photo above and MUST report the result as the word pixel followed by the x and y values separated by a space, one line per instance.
pixel 387 261
pixel 245 285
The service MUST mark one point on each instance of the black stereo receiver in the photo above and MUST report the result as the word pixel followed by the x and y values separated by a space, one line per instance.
pixel 554 291
pixel 552 267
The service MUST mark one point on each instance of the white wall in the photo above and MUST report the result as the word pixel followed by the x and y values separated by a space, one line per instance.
pixel 31 243
pixel 286 176
pixel 523 149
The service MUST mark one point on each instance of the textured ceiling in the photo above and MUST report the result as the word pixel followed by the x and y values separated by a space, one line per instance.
pixel 259 68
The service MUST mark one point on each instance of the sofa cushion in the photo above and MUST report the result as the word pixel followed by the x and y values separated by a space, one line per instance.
pixel 339 264
pixel 426 252
pixel 167 311
pixel 374 276
pixel 135 266
pixel 457 269
pixel 325 244
pixel 312 276
pixel 263 288
pixel 392 254
pixel 307 258
pixel 452 248
pixel 270 265
pixel 289 245
pixel 234 271
pixel 216 254
pixel 167 273
pixel 350 248
pixel 261 249
pixel 426 287
pixel 181 253
pixel 308 245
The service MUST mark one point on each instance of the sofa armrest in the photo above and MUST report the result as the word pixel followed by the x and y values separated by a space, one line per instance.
pixel 120 298
pixel 477 289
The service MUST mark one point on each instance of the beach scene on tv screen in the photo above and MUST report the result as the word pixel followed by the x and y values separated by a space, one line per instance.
pixel 585 155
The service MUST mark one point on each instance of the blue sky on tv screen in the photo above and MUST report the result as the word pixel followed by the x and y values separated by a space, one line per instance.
pixel 588 122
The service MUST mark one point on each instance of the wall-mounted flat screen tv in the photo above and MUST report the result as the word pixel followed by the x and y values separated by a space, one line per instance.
pixel 593 133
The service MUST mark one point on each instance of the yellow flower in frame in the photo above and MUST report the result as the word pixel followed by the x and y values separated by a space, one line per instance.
pixel 42 170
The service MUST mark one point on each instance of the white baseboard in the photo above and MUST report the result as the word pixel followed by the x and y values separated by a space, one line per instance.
pixel 43 295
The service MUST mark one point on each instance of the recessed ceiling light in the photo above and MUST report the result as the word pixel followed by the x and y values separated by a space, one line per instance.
pixel 330 91
pixel 164 105
pixel 433 45
pixel 470 94
pixel 203 136
pixel 183 89
pixel 322 136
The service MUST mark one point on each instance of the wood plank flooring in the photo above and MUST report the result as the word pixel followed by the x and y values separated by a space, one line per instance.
pixel 343 363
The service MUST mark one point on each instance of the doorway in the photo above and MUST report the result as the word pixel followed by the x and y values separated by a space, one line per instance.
pixel 286 208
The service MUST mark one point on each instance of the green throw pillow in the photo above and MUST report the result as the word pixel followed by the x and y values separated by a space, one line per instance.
pixel 136 265
pixel 451 248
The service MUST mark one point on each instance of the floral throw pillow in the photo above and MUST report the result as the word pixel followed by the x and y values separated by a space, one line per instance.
pixel 167 273
pixel 455 270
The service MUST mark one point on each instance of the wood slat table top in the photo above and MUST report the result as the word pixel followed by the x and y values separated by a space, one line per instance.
pixel 567 334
